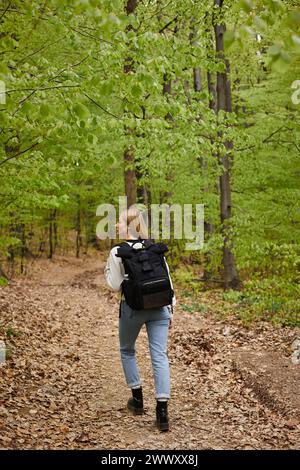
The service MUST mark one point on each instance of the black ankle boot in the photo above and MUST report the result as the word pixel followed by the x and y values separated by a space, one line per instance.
pixel 162 419
pixel 135 404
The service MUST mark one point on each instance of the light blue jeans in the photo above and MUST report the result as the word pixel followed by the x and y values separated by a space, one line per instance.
pixel 157 324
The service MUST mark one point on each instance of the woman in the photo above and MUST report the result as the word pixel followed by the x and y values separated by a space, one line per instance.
pixel 131 227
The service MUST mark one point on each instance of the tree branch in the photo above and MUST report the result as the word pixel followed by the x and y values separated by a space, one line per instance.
pixel 41 48
pixel 101 107
pixel 90 36
pixel 5 10
pixel 19 153
pixel 42 89
pixel 168 24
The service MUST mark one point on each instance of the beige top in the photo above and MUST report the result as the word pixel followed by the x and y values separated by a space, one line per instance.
pixel 115 273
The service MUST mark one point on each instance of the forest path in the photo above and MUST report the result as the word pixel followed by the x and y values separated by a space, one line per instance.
pixel 63 385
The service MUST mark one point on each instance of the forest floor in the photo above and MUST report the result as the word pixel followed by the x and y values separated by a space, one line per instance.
pixel 62 386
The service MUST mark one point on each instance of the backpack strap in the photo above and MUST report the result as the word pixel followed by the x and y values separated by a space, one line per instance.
pixel 124 250
pixel 145 242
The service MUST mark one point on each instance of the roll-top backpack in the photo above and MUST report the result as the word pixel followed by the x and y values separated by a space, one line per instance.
pixel 147 284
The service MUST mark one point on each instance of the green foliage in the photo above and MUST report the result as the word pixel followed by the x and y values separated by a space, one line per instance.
pixel 12 333
pixel 3 281
pixel 273 299
pixel 71 111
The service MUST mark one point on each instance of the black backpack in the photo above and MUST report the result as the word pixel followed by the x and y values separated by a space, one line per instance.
pixel 148 283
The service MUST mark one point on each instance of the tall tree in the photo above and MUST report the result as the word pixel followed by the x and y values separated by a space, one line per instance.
pixel 224 103
pixel 129 158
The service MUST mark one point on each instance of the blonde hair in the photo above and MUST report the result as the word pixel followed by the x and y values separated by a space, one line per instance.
pixel 135 222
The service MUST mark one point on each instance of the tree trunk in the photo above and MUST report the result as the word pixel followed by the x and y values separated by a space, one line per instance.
pixel 130 177
pixel 129 161
pixel 78 228
pixel 166 195
pixel 55 229
pixel 2 274
pixel 231 279
pixel 50 255
pixel 212 92
pixel 23 247
pixel 11 249
pixel 143 189
pixel 208 227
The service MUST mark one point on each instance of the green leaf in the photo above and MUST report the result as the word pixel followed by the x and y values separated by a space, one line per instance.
pixel 281 62
pixel 246 31
pixel 275 50
pixel 229 38
pixel 4 70
pixel 260 23
pixel 106 88
pixel 92 138
pixel 3 281
pixel 293 19
pixel 81 111
pixel 136 91
pixel 246 5
pixel 275 6
pixel 27 107
pixel 45 110
pixel 296 41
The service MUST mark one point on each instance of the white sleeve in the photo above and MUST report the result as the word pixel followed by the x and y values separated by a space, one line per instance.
pixel 114 270
pixel 174 298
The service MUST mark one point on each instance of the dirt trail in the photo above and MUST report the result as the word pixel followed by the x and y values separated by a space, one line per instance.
pixel 63 386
